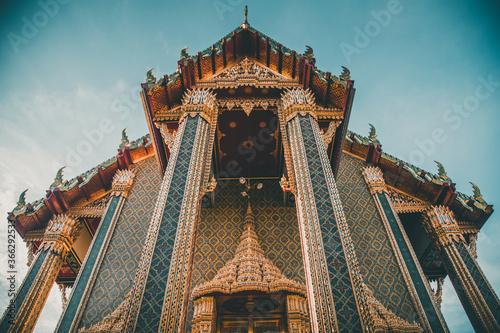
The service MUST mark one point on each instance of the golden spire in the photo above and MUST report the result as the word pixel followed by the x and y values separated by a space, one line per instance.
pixel 245 24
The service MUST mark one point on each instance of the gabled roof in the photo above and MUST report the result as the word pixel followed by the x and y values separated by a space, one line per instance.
pixel 166 93
pixel 419 184
pixel 78 191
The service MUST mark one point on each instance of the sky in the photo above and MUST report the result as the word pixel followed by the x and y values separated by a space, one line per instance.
pixel 427 75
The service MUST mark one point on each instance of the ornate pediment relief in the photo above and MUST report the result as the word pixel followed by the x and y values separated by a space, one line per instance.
pixel 248 73
pixel 405 204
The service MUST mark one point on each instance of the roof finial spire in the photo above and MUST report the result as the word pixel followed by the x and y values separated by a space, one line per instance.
pixel 245 24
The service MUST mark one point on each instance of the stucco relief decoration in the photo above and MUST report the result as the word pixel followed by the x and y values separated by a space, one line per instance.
pixel 122 182
pixel 330 132
pixel 298 101
pixel 167 134
pixel 95 209
pixel 61 233
pixel 375 179
pixel 248 73
pixel 405 204
pixel 199 101
pixel 440 224
pixel 247 104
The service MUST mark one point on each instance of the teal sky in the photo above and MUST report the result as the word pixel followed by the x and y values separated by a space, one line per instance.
pixel 84 63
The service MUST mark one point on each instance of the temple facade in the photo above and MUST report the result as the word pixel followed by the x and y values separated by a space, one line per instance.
pixel 250 207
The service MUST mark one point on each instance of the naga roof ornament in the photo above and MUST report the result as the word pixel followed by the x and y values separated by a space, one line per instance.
pixel 125 141
pixel 442 173
pixel 59 178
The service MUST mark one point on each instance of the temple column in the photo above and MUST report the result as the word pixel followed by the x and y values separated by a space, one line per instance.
pixel 160 296
pixel 336 296
pixel 68 322
pixel 60 234
pixel 473 289
pixel 418 286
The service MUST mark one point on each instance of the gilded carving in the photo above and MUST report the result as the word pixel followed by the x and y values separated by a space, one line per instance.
pixel 375 179
pixel 198 102
pixel 167 134
pixel 405 204
pixel 441 226
pixel 330 132
pixel 60 234
pixel 122 182
pixel 248 73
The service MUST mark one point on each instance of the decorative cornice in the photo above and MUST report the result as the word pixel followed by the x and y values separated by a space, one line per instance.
pixel 375 179
pixel 440 224
pixel 89 212
pixel 247 104
pixel 122 182
pixel 60 234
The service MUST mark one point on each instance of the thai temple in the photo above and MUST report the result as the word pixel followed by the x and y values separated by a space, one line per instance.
pixel 250 207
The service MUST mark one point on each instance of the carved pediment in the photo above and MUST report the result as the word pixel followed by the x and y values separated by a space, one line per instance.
pixel 248 73
pixel 405 204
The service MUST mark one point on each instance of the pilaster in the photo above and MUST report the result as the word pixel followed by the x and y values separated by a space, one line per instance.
pixel 417 284
pixel 60 234
pixel 473 289
pixel 160 293
pixel 336 296
pixel 68 322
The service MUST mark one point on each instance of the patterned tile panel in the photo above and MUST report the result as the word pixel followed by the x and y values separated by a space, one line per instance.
pixel 376 259
pixel 152 300
pixel 220 228
pixel 480 280
pixel 343 295
pixel 118 268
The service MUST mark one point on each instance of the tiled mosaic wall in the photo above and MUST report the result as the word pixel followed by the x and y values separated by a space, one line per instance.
pixel 118 268
pixel 220 229
pixel 376 259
